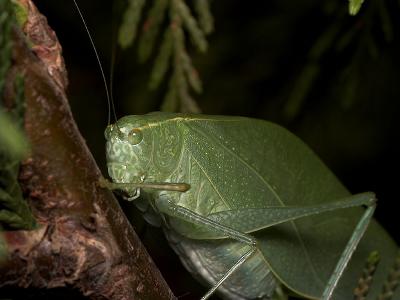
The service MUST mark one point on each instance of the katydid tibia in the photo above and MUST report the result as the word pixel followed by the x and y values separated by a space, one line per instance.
pixel 249 208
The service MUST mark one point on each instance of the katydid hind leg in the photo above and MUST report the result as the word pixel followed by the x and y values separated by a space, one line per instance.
pixel 254 219
pixel 367 199
pixel 351 246
pixel 241 261
pixel 174 210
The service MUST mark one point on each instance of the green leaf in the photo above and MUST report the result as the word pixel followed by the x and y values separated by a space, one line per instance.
pixel 354 6
pixel 191 72
pixel 162 61
pixel 191 25
pixel 21 13
pixel 12 138
pixel 206 20
pixel 151 28
pixel 173 48
pixel 130 21
pixel 14 210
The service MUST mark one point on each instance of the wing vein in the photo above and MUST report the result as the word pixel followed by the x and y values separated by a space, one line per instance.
pixel 212 136
pixel 209 179
pixel 298 235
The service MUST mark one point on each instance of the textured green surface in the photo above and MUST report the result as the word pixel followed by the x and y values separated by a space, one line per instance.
pixel 6 21
pixel 21 13
pixel 13 140
pixel 239 163
pixel 14 210
pixel 14 147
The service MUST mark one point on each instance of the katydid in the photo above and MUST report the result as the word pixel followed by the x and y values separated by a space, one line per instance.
pixel 248 207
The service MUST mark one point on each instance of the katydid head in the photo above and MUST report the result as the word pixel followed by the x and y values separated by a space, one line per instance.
pixel 142 153
pixel 127 148
pixel 129 145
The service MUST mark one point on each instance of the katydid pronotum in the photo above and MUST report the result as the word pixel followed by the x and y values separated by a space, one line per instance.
pixel 248 207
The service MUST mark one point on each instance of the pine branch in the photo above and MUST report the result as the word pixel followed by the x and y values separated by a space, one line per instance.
pixel 365 281
pixel 130 22
pixel 206 20
pixel 151 28
pixel 355 6
pixel 356 43
pixel 172 53
pixel 392 282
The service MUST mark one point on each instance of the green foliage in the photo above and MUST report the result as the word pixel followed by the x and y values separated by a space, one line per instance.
pixel 354 6
pixel 359 42
pixel 365 281
pixel 173 46
pixel 13 141
pixel 205 18
pixel 127 31
pixel 21 14
pixel 392 282
pixel 14 210
pixel 151 30
pixel 5 41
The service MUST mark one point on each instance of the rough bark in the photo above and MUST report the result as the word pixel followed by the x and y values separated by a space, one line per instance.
pixel 83 241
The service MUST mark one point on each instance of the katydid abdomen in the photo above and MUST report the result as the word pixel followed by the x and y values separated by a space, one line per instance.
pixel 239 170
pixel 208 261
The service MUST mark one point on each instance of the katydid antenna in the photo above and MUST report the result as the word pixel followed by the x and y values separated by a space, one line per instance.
pixel 110 99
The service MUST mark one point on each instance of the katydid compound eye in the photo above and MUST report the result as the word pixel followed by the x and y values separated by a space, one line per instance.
pixel 135 136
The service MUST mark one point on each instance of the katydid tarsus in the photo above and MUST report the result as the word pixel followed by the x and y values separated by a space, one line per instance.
pixel 249 208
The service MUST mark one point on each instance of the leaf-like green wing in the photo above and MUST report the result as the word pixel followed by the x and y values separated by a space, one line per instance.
pixel 257 164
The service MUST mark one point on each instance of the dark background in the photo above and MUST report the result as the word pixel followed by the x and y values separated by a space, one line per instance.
pixel 259 61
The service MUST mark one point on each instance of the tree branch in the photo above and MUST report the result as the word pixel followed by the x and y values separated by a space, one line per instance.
pixel 83 240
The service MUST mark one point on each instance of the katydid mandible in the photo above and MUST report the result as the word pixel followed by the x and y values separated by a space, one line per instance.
pixel 248 207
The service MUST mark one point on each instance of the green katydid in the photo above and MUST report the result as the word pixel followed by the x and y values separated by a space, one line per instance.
pixel 262 210
pixel 248 207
